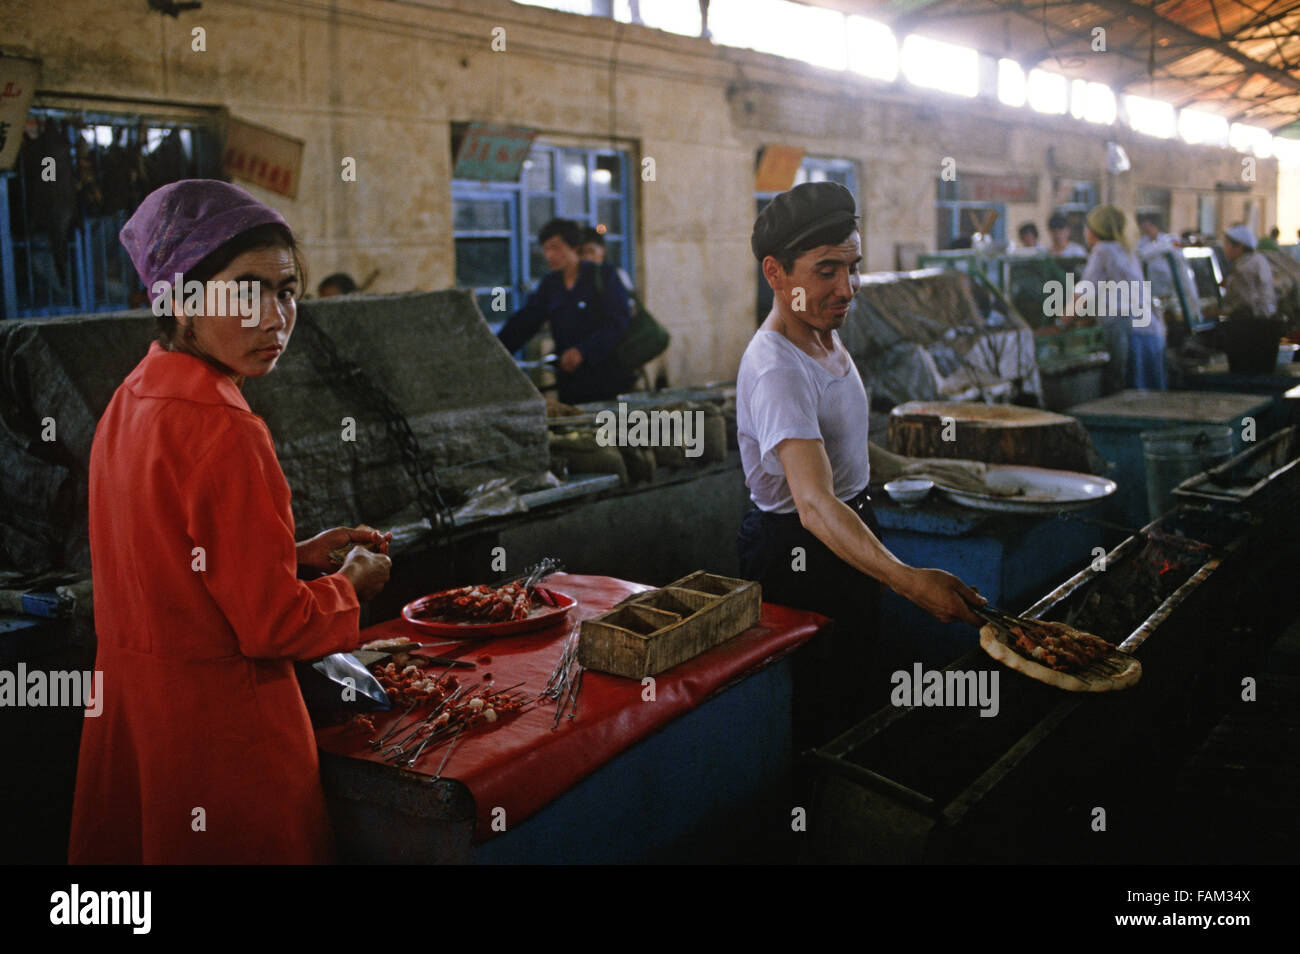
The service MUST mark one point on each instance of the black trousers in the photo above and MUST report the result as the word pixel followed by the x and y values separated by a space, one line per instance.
pixel 1250 342
pixel 796 569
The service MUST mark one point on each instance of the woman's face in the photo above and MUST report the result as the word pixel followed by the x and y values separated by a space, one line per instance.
pixel 246 347
pixel 1090 237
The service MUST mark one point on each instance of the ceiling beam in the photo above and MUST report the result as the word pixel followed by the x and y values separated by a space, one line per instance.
pixel 1264 19
pixel 902 23
pixel 1222 47
pixel 1238 81
pixel 1134 53
pixel 908 19
pixel 1255 107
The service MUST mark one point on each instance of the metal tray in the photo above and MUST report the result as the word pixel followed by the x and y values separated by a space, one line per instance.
pixel 1044 490
pixel 1272 452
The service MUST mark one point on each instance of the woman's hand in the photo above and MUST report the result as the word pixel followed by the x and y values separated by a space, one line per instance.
pixel 316 551
pixel 368 572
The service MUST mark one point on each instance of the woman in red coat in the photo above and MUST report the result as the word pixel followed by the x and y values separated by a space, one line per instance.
pixel 203 752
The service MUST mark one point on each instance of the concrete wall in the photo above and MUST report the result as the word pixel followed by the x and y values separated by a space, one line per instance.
pixel 1288 203
pixel 383 81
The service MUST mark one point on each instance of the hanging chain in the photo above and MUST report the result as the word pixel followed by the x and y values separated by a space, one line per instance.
pixel 345 373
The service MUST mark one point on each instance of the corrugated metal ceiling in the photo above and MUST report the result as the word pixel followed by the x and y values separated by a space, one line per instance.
pixel 1238 59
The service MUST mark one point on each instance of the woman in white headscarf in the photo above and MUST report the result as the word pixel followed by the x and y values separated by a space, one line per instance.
pixel 1134 334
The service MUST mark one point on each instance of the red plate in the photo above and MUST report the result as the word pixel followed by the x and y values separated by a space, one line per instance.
pixel 538 618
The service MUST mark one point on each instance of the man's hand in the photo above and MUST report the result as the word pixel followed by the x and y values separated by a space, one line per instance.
pixel 368 572
pixel 808 472
pixel 316 552
pixel 570 360
pixel 940 594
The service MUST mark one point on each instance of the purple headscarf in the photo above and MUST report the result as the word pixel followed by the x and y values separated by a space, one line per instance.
pixel 178 225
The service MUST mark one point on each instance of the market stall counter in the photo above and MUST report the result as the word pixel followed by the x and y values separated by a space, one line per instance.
pixel 672 769
pixel 1215 376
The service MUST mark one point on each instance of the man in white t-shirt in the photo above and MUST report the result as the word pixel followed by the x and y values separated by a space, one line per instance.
pixel 801 414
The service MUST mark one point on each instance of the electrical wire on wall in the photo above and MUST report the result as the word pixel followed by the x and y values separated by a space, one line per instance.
pixel 613 78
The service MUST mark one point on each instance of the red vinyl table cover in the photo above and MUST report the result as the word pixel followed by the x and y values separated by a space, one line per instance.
pixel 521 765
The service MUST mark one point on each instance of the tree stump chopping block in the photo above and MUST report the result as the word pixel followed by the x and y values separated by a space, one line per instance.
pixel 993 433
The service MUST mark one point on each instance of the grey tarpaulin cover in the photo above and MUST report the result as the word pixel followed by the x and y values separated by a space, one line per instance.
pixel 923 336
pixel 432 353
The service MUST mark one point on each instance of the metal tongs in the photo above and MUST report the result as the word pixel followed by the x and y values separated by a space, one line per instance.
pixel 540 571
pixel 997 617
pixel 535 573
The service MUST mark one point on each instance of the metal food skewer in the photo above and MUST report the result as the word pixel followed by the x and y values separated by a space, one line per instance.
pixel 561 669
pixel 376 743
pixel 450 749
pixel 437 736
pixel 576 692
pixel 399 747
pixel 410 763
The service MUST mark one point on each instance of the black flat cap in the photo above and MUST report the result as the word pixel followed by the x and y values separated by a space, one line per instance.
pixel 803 211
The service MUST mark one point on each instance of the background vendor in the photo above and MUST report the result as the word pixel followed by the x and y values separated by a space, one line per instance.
pixel 588 316
pixel 1248 290
pixel 801 410
pixel 1250 332
pixel 1062 246
pixel 1133 332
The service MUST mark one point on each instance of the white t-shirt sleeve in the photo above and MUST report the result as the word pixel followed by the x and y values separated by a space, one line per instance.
pixel 784 406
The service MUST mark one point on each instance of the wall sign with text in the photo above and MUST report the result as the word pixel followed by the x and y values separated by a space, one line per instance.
pixel 17 84
pixel 493 153
pixel 262 156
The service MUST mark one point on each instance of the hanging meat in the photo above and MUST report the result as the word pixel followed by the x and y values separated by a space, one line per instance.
pixel 165 163
pixel 51 186
pixel 122 173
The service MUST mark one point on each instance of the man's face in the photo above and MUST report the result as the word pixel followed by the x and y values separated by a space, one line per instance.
pixel 1231 249
pixel 823 282
pixel 559 254
pixel 1028 238
pixel 1061 237
pixel 592 252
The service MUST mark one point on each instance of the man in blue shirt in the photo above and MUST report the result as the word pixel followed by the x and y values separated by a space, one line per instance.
pixel 588 317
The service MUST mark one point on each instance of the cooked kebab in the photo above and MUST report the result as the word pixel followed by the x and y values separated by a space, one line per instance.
pixel 479 604
pixel 1057 645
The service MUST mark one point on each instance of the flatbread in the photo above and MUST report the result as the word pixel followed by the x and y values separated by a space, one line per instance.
pixel 397 644
pixel 1113 671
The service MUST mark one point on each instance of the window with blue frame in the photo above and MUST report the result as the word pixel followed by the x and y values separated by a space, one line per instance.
pixel 811 169
pixel 958 217
pixel 59 250
pixel 495 223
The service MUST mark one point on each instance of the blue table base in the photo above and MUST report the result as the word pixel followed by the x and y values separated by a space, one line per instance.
pixel 710 786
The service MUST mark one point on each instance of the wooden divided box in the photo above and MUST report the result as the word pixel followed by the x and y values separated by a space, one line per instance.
pixel 659 629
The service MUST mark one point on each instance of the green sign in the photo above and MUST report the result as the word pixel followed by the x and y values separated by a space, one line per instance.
pixel 493 153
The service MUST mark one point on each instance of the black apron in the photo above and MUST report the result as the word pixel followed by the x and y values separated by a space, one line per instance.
pixel 831 670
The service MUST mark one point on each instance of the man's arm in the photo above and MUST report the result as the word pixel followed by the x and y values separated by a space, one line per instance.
pixel 524 323
pixel 1234 294
pixel 830 520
